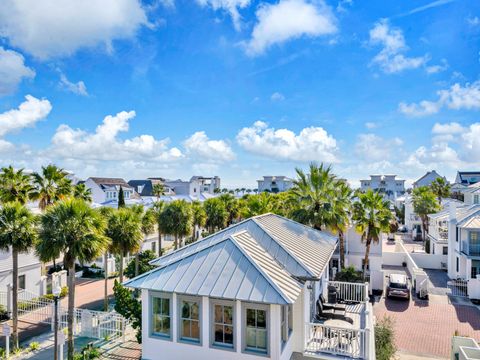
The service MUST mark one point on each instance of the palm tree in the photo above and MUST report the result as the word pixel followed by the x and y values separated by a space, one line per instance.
pixel 148 221
pixel 258 204
pixel 199 218
pixel 441 188
pixel 231 206
pixel 17 231
pixel 106 212
pixel 216 214
pixel 158 190
pixel 314 192
pixel 372 216
pixel 424 203
pixel 157 209
pixel 73 228
pixel 51 185
pixel 15 185
pixel 80 191
pixel 124 228
pixel 340 215
pixel 177 220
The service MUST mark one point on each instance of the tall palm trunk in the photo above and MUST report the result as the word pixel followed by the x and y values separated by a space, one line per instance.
pixel 105 271
pixel 71 305
pixel 121 266
pixel 15 299
pixel 341 244
pixel 137 263
pixel 194 232
pixel 159 243
pixel 367 253
pixel 176 242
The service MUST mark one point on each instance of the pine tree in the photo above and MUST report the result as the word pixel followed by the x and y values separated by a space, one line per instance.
pixel 121 198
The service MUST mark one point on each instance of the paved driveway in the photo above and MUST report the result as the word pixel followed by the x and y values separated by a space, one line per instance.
pixel 426 327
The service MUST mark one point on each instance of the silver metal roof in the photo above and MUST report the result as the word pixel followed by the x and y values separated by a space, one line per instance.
pixel 256 260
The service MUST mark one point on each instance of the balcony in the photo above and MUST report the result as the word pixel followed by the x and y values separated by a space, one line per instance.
pixel 470 249
pixel 350 337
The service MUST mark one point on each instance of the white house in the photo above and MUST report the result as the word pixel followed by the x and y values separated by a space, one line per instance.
pixel 106 189
pixel 252 291
pixel 455 232
pixel 471 194
pixel 389 185
pixel 274 184
pixel 195 186
pixel 29 272
pixel 427 179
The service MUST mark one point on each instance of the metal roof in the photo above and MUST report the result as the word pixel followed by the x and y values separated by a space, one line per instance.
pixel 255 260
pixel 222 270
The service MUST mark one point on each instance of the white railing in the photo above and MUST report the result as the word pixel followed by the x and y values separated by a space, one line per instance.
pixel 335 340
pixel 350 292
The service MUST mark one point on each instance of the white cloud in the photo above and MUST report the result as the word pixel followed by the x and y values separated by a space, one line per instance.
pixel 473 21
pixel 447 129
pixel 434 69
pixel 457 97
pixel 51 28
pixel 28 114
pixel 104 143
pixel 287 20
pixel 391 58
pixel 372 147
pixel 276 96
pixel 230 6
pixel 311 144
pixel 12 71
pixel 201 147
pixel 78 88
pixel 371 125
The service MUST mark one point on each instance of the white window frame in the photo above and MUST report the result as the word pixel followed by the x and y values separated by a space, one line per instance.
pixel 152 334
pixel 190 341
pixel 214 344
pixel 255 306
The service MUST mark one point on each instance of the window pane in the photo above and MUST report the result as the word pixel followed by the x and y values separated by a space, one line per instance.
pixel 166 306
pixel 218 314
pixel 194 311
pixel 261 319
pixel 228 314
pixel 186 328
pixel 157 326
pixel 166 325
pixel 251 337
pixel 195 332
pixel 262 339
pixel 229 334
pixel 251 317
pixel 219 333
pixel 185 310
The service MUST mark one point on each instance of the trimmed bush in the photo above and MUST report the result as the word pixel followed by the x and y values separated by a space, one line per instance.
pixel 385 347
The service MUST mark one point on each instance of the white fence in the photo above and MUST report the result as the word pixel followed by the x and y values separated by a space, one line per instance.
pixel 350 292
pixel 458 288
pixel 351 343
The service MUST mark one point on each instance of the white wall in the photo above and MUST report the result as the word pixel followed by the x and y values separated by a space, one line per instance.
pixel 98 195
pixel 429 261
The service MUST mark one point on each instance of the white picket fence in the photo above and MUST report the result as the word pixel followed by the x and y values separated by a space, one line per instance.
pixel 88 323
pixel 458 287
pixel 351 292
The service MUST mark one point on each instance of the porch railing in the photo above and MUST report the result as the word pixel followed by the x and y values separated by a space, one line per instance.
pixel 336 340
pixel 351 292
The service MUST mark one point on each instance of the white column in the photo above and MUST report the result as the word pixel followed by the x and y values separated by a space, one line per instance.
pixel 146 318
pixel 238 326
pixel 275 334
pixel 205 322
pixel 174 317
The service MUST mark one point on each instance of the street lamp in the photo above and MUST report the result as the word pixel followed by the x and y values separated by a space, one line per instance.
pixel 56 295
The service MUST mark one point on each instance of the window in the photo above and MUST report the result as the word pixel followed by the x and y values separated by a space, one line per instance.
pixel 21 282
pixel 445 250
pixel 256 331
pixel 474 236
pixel 286 322
pixel 190 320
pixel 457 265
pixel 161 318
pixel 476 199
pixel 222 324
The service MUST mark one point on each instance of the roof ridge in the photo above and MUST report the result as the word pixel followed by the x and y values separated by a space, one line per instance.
pixel 279 243
pixel 254 263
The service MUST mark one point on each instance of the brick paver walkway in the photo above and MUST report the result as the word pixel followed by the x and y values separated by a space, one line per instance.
pixel 428 329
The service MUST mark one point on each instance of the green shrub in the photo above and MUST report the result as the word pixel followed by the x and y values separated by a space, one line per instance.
pixel 384 339
pixel 143 264
pixel 349 274
pixel 34 346
pixel 63 293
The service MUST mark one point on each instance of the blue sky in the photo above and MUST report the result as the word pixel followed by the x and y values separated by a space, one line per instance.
pixel 240 88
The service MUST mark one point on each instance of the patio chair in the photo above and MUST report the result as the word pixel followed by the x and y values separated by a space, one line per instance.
pixel 329 306
pixel 323 313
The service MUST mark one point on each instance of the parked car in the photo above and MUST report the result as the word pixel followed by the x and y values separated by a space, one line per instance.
pixel 402 229
pixel 398 287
